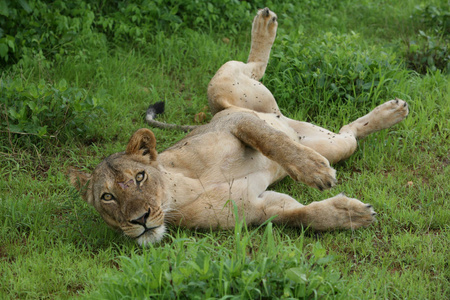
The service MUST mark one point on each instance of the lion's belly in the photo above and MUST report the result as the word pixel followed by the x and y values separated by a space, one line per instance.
pixel 279 123
pixel 214 206
pixel 217 168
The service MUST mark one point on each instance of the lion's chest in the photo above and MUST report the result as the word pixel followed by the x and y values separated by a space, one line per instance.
pixel 217 157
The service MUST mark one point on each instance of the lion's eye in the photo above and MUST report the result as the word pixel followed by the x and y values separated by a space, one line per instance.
pixel 140 176
pixel 107 197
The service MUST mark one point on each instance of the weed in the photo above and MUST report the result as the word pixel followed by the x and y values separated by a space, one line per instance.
pixel 428 53
pixel 193 269
pixel 318 73
pixel 45 110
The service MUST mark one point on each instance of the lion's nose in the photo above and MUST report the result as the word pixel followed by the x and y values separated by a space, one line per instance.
pixel 142 220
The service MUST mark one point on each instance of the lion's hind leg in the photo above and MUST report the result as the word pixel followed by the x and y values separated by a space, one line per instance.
pixel 383 116
pixel 333 146
pixel 236 84
pixel 264 30
pixel 339 146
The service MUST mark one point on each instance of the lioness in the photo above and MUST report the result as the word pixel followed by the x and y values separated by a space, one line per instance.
pixel 247 146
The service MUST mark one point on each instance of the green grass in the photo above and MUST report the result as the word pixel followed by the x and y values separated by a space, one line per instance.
pixel 53 245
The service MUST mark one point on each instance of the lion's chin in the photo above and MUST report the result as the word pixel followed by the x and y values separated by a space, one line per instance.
pixel 151 237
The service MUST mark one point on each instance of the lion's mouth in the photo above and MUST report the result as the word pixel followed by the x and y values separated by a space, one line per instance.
pixel 147 230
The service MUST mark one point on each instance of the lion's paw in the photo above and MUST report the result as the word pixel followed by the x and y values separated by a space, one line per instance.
pixel 391 112
pixel 264 26
pixel 312 169
pixel 340 212
pixel 383 116
pixel 353 213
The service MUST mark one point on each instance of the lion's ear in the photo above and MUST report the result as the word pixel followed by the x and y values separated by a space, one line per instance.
pixel 80 181
pixel 143 142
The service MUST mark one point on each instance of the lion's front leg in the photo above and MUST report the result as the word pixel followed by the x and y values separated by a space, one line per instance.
pixel 339 212
pixel 300 162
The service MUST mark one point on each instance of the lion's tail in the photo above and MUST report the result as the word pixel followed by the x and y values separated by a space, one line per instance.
pixel 158 108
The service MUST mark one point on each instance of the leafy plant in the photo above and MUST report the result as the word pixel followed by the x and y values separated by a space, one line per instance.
pixel 428 52
pixel 46 110
pixel 317 72
pixel 49 30
pixel 52 30
pixel 137 21
pixel 193 269
pixel 433 17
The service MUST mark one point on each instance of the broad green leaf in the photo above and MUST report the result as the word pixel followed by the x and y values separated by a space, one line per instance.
pixel 325 260
pixel 4 10
pixel 25 6
pixel 62 85
pixel 296 275
pixel 3 50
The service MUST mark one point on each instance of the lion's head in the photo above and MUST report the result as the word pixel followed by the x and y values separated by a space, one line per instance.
pixel 128 190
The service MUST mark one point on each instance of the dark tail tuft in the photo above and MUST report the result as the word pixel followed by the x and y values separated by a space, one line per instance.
pixel 157 109
pixel 154 109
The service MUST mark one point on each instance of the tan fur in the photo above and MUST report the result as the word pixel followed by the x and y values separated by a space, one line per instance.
pixel 247 146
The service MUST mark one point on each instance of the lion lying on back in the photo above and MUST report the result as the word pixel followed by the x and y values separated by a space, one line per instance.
pixel 247 146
